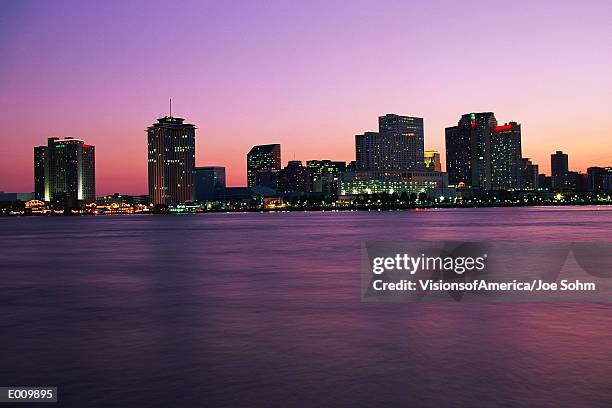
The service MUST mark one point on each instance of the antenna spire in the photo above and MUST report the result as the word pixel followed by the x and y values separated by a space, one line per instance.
pixel 170 107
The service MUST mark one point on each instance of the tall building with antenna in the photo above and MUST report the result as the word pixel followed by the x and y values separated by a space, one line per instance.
pixel 171 160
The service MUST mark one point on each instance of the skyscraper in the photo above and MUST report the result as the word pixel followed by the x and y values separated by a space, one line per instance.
pixel 413 132
pixel 459 155
pixel 595 176
pixel 294 178
pixel 432 161
pixel 65 168
pixel 40 169
pixel 506 157
pixel 398 145
pixel 209 183
pixel 324 175
pixel 559 168
pixel 171 151
pixel 529 175
pixel 263 164
pixel 482 155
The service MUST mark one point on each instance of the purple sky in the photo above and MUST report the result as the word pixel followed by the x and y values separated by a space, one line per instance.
pixel 309 75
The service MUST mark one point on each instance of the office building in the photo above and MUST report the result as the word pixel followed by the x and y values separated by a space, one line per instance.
pixel 468 150
pixel 263 164
pixel 544 182
pixel 324 175
pixel 294 178
pixel 171 153
pixel 606 180
pixel 412 133
pixel 559 168
pixel 574 182
pixel 529 175
pixel 376 182
pixel 65 170
pixel 432 161
pixel 398 145
pixel 209 183
pixel 595 179
pixel 480 154
pixel 506 157
pixel 598 179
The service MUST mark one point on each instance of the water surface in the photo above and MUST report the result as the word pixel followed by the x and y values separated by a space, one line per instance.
pixel 263 309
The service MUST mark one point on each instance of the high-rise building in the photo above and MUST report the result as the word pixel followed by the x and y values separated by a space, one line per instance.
pixel 468 150
pixel 459 155
pixel 480 154
pixel 65 169
pixel 411 129
pixel 325 166
pixel 40 168
pixel 559 168
pixel 432 160
pixel 574 182
pixel 606 180
pixel 398 145
pixel 209 183
pixel 529 175
pixel 544 182
pixel 171 151
pixel 596 177
pixel 294 178
pixel 324 175
pixel 263 162
pixel 506 157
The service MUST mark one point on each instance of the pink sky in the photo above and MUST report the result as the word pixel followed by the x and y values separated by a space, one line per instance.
pixel 308 75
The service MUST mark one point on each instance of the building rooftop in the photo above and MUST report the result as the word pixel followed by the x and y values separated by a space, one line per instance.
pixel 170 121
pixel 267 148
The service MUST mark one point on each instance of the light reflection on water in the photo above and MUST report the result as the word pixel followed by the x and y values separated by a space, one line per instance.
pixel 264 310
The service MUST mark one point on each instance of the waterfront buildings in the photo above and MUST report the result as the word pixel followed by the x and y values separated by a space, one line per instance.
pixel 599 179
pixel 559 168
pixel 324 175
pixel 376 182
pixel 480 154
pixel 171 161
pixel 468 146
pixel 294 178
pixel 606 180
pixel 392 160
pixel 247 197
pixel 411 132
pixel 398 145
pixel 529 175
pixel 64 170
pixel 506 157
pixel 459 154
pixel 544 182
pixel 263 164
pixel 209 183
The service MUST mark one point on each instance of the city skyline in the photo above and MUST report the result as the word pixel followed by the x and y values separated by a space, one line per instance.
pixel 483 156
pixel 309 77
pixel 180 153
